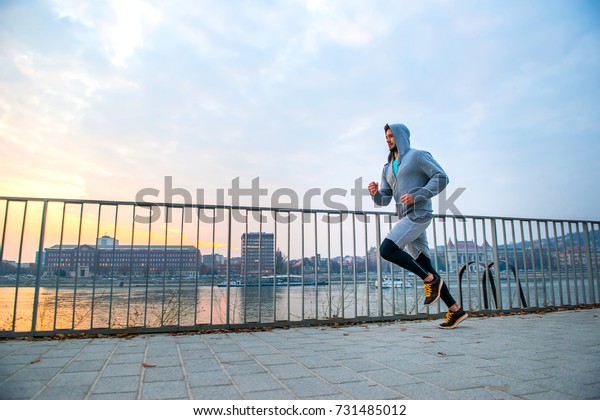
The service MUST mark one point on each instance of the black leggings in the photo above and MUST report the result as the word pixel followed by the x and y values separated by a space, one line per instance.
pixel 421 266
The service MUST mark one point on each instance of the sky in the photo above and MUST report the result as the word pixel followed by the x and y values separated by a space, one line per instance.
pixel 105 99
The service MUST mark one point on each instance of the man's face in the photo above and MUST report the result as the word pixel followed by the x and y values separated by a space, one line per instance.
pixel 391 141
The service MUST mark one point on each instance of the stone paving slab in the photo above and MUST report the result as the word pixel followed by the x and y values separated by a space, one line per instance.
pixel 534 356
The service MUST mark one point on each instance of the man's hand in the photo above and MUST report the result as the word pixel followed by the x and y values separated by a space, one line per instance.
pixel 407 199
pixel 373 188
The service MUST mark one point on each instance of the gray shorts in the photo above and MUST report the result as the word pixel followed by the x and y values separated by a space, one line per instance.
pixel 410 235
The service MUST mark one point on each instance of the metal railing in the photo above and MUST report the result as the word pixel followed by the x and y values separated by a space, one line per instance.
pixel 85 266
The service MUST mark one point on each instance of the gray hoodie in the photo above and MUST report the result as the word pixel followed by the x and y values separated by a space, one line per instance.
pixel 418 174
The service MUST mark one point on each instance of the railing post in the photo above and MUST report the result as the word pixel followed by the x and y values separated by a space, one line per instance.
pixel 558 264
pixel 541 254
pixel 228 290
pixel 342 265
pixel 367 267
pixel 496 263
pixel 275 267
pixel 378 240
pixel 38 269
pixel 588 261
pixel 316 267
pixel 302 264
pixel 595 251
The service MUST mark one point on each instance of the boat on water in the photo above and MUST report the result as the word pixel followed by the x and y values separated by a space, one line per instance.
pixel 388 283
pixel 269 281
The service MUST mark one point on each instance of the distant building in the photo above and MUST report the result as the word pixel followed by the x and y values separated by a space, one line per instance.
pixel 208 259
pixel 109 258
pixel 107 242
pixel 258 253
pixel 577 256
pixel 463 252
pixel 214 264
pixel 235 267
pixel 10 263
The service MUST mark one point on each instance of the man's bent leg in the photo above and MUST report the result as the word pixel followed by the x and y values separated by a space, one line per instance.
pixel 411 234
pixel 445 295
pixel 455 313
pixel 390 251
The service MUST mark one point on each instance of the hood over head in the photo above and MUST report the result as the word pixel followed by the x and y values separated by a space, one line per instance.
pixel 402 136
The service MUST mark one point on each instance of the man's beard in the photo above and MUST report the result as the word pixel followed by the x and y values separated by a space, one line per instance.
pixel 394 149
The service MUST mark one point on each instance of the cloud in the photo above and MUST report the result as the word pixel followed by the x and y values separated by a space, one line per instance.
pixel 118 95
pixel 126 34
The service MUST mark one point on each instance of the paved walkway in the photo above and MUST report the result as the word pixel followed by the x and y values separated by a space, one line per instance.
pixel 552 355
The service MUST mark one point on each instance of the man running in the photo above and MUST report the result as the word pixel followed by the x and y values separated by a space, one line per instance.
pixel 412 177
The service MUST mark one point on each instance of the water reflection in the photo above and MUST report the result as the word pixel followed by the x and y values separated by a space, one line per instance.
pixel 163 305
